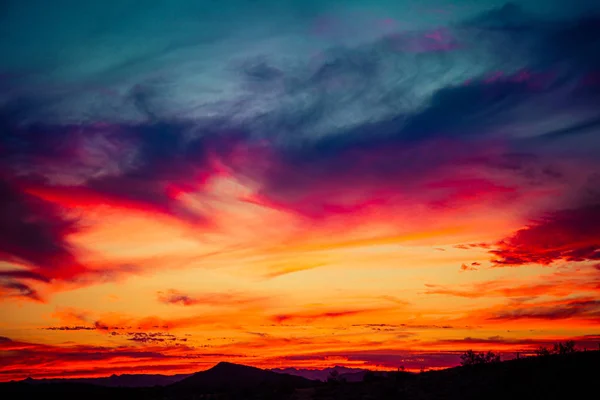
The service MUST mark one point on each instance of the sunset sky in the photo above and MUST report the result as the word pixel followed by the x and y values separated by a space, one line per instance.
pixel 295 183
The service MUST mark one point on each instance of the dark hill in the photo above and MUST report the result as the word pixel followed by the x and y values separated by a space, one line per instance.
pixel 321 374
pixel 553 377
pixel 572 376
pixel 125 380
pixel 225 377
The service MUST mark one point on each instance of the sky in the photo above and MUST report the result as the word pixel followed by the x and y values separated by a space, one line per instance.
pixel 295 183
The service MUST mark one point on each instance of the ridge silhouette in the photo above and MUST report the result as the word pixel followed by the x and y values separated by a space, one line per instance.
pixel 226 375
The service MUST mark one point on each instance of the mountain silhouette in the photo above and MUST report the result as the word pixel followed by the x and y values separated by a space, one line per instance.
pixel 125 380
pixel 227 376
pixel 323 374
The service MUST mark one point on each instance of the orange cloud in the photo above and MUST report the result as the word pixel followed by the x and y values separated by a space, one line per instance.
pixel 557 285
pixel 71 316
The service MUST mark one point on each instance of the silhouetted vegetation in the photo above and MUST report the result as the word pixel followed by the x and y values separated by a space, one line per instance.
pixel 567 347
pixel 472 358
pixel 333 377
pixel 542 351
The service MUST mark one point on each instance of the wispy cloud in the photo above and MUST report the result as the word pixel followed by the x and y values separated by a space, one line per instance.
pixel 313 316
pixel 224 299
pixel 586 309
pixel 70 328
pixel 556 285
pixel 154 337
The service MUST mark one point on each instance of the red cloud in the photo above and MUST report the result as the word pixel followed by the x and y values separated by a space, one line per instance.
pixel 142 167
pixel 568 235
pixel 356 179
pixel 23 359
pixel 34 235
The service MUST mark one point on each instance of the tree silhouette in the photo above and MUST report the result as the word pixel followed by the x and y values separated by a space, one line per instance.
pixel 334 376
pixel 542 351
pixel 491 357
pixel 472 358
pixel 567 347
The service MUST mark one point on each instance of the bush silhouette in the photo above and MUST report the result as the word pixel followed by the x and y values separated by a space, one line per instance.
pixel 567 347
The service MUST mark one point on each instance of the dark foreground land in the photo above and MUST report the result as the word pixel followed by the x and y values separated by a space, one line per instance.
pixel 571 376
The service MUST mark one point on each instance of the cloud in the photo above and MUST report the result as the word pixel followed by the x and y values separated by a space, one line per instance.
pixel 472 267
pixel 76 353
pixel 472 246
pixel 414 157
pixel 144 353
pixel 70 328
pixel 363 135
pixel 394 327
pixel 155 323
pixel 153 337
pixel 34 233
pixel 49 360
pixel 566 235
pixel 77 319
pixel 389 358
pixel 144 334
pixel 175 297
pixel 12 285
pixel 512 344
pixel 225 299
pixel 144 167
pixel 556 285
pixel 68 315
pixel 20 290
pixel 581 309
pixel 102 326
pixel 24 274
pixel 308 317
